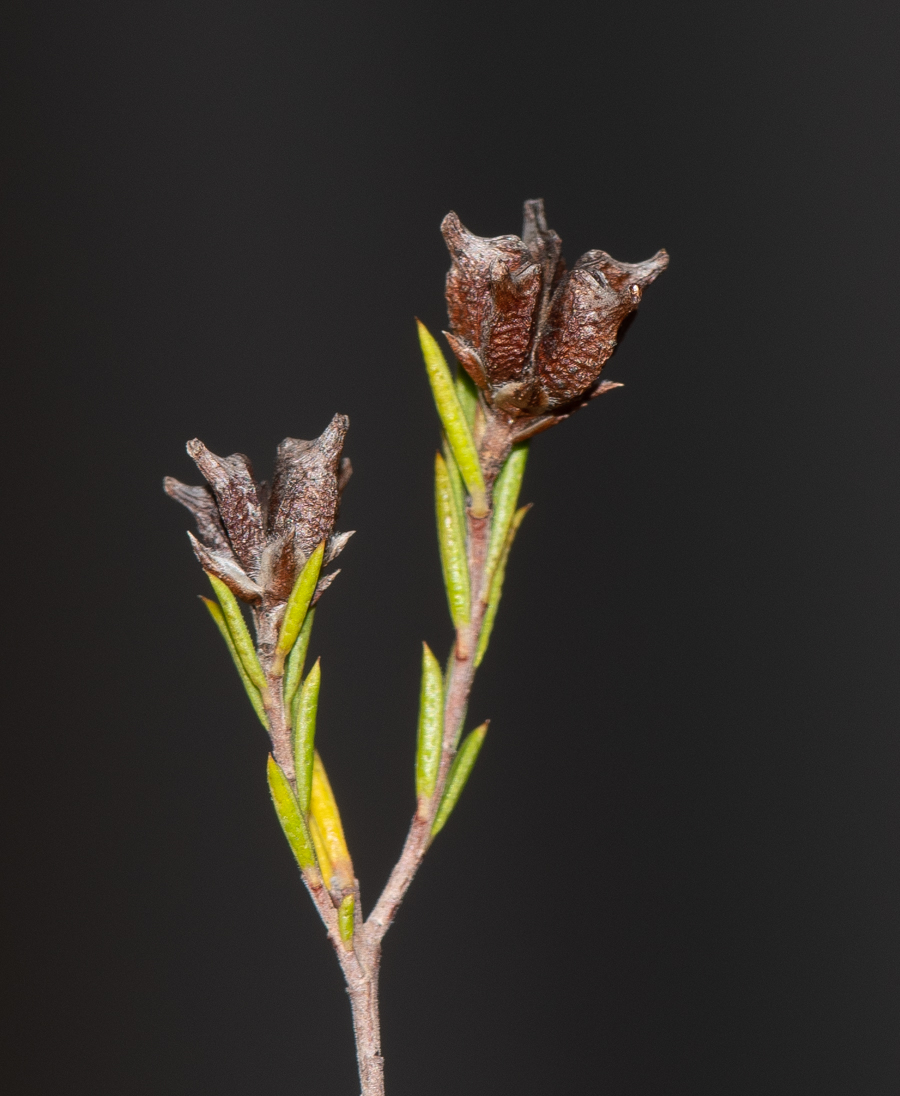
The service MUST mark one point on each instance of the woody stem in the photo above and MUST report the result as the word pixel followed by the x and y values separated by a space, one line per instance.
pixel 361 967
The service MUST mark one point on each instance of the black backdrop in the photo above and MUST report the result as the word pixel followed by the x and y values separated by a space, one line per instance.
pixel 675 869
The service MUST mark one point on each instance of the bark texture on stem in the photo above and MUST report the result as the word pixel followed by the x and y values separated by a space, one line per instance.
pixel 362 989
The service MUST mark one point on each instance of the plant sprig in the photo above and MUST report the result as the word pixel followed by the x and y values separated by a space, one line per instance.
pixel 531 340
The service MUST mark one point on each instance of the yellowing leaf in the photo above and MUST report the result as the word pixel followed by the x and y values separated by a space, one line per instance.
pixel 324 811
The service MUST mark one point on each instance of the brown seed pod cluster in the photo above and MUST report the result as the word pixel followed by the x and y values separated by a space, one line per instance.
pixel 532 335
pixel 256 539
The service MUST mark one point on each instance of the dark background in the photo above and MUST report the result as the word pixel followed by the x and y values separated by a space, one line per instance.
pixel 675 870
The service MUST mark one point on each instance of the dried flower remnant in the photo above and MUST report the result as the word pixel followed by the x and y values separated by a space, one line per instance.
pixel 254 539
pixel 532 335
pixel 267 547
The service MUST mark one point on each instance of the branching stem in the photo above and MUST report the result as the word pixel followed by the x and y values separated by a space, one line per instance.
pixel 360 956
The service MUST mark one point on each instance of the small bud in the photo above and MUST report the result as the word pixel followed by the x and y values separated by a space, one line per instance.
pixel 345 917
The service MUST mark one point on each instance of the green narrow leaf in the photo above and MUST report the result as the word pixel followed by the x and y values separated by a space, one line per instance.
pixel 297 605
pixel 467 394
pixel 458 775
pixel 452 416
pixel 452 541
pixel 345 917
pixel 252 692
pixel 456 483
pixel 506 495
pixel 289 815
pixel 431 725
pixel 293 670
pixel 237 626
pixel 497 585
pixel 304 724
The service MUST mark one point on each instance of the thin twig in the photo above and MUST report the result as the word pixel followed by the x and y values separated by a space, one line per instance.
pixel 459 686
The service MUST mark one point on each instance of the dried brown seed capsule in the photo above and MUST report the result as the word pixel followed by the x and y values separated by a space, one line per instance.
pixel 532 336
pixel 256 541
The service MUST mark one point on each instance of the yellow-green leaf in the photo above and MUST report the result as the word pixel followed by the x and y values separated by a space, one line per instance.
pixel 293 670
pixel 458 775
pixel 240 636
pixel 325 865
pixel 497 585
pixel 431 725
pixel 345 917
pixel 452 542
pixel 324 810
pixel 290 816
pixel 304 726
pixel 506 495
pixel 297 605
pixel 452 416
pixel 252 692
